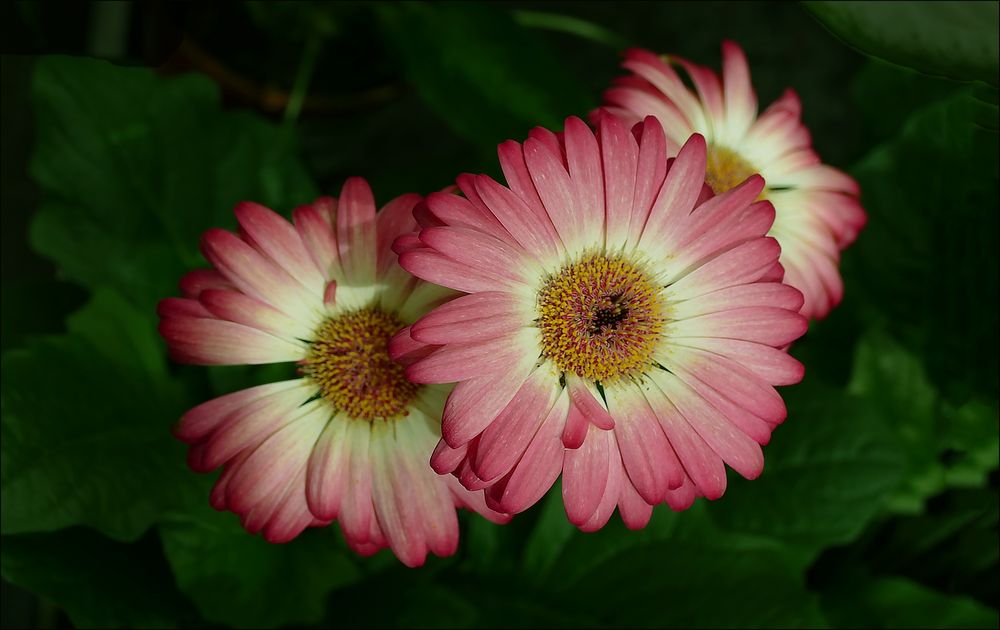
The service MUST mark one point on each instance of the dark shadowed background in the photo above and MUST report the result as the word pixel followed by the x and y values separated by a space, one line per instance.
pixel 130 129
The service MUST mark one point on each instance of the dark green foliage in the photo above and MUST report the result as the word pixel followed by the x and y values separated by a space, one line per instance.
pixel 878 502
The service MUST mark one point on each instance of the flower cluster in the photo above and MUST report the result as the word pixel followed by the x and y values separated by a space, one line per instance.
pixel 618 313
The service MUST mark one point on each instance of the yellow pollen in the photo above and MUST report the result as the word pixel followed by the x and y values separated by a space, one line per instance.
pixel 600 318
pixel 349 362
pixel 726 169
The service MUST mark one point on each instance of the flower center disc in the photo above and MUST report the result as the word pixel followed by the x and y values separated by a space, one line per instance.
pixel 349 361
pixel 725 169
pixel 600 318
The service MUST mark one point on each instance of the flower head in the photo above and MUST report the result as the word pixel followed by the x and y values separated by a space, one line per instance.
pixel 622 324
pixel 349 439
pixel 817 208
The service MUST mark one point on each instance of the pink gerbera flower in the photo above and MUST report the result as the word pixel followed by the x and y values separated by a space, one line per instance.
pixel 350 439
pixel 615 308
pixel 817 208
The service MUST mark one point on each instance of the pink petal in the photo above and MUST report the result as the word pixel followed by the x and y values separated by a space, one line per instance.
pixel 242 309
pixel 612 489
pixel 446 459
pixel 682 498
pixel 634 510
pixel 182 307
pixel 397 513
pixel 256 275
pixel 312 222
pixel 535 234
pixel 732 445
pixel 434 267
pixel 477 251
pixel 720 223
pixel 742 296
pixel 455 211
pixel 710 91
pixel 406 350
pixel 200 421
pixel 583 398
pixel 217 342
pixel 651 169
pixel 701 463
pixel 585 475
pixel 473 404
pixel 555 189
pixel 583 157
pixel 506 438
pixel 275 463
pixel 760 324
pixel 679 192
pixel 356 231
pixel 731 380
pixel 461 362
pixel 194 282
pixel 357 513
pixel 649 461
pixel 770 364
pixel 619 154
pixel 740 99
pixel 393 220
pixel 540 465
pixel 249 426
pixel 741 265
pixel 276 238
pixel 576 428
pixel 327 471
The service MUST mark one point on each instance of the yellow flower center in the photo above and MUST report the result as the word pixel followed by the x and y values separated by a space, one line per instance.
pixel 600 318
pixel 349 361
pixel 726 169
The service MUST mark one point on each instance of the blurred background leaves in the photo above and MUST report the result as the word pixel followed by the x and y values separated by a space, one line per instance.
pixel 130 129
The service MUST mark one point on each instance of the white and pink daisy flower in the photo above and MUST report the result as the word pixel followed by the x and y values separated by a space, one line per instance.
pixel 351 438
pixel 622 325
pixel 817 209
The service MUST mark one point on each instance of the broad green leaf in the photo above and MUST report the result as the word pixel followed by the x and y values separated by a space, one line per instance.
pixel 928 251
pixel 892 602
pixel 952 39
pixel 680 571
pixel 99 583
pixel 243 581
pixel 951 546
pixel 133 168
pixel 408 599
pixel 488 77
pixel 86 428
pixel 895 383
pixel 887 94
pixel 827 472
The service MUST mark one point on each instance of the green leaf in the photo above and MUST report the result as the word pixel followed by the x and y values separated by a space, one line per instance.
pixel 888 94
pixel 680 571
pixel 951 546
pixel 893 602
pixel 488 77
pixel 952 39
pixel 827 472
pixel 243 581
pixel 894 382
pixel 99 583
pixel 133 168
pixel 86 428
pixel 928 251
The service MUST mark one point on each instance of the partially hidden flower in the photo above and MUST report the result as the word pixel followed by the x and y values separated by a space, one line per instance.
pixel 622 325
pixel 350 438
pixel 817 208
